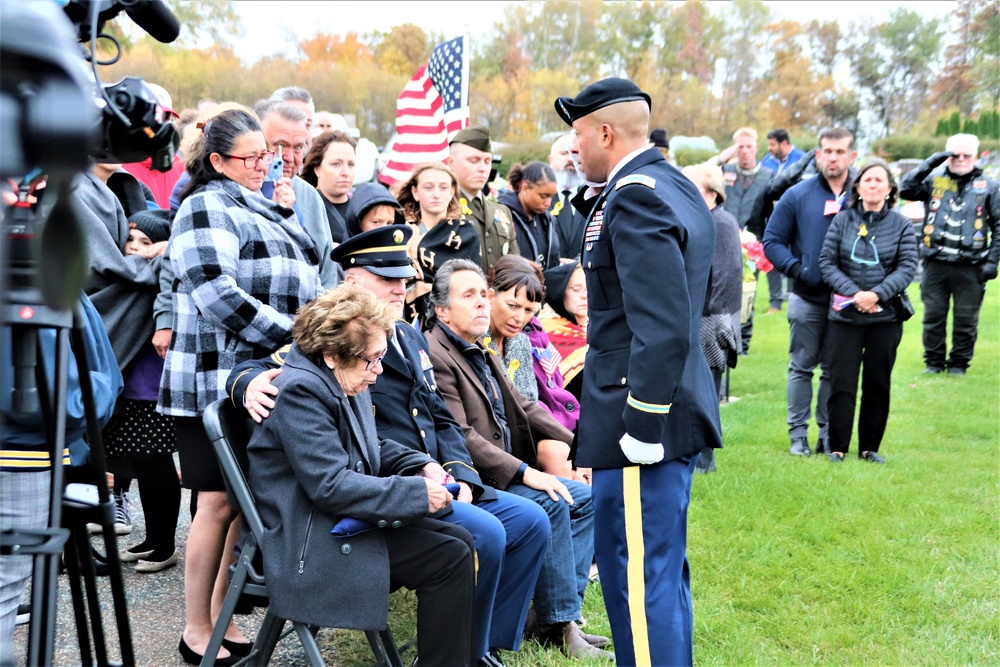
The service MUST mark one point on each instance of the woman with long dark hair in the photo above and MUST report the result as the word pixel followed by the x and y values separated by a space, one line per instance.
pixel 243 266
pixel 329 167
pixel 430 202
pixel 529 196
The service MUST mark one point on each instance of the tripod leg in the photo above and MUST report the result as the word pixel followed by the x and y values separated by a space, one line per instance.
pixel 99 462
pixel 76 591
pixel 42 631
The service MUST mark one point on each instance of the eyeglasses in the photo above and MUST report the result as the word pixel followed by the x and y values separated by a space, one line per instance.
pixel 372 363
pixel 250 161
pixel 866 262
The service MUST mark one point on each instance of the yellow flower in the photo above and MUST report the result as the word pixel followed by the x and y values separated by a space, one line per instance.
pixel 556 209
pixel 512 369
pixel 465 206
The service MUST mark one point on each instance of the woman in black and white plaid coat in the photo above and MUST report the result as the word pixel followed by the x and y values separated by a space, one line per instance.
pixel 243 266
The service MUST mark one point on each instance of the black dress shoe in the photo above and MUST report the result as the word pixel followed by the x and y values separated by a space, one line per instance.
pixel 800 447
pixel 239 649
pixel 192 658
pixel 823 446
pixel 836 457
pixel 871 457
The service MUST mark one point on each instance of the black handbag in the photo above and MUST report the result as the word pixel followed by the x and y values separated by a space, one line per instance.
pixel 904 307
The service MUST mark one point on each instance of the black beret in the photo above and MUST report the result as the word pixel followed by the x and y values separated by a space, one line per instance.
pixel 659 139
pixel 477 137
pixel 154 223
pixel 597 96
pixel 381 250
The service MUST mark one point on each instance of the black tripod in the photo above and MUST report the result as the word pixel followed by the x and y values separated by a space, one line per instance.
pixel 25 312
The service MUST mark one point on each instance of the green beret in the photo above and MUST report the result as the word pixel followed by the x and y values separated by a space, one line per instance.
pixel 477 137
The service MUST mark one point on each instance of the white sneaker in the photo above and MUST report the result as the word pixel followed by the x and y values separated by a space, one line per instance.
pixel 123 517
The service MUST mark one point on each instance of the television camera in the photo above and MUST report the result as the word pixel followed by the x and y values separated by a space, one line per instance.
pixel 55 118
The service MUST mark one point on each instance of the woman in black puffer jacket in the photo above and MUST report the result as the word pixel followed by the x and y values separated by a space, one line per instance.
pixel 868 259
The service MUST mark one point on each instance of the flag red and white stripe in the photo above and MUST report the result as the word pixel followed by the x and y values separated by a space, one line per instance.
pixel 433 106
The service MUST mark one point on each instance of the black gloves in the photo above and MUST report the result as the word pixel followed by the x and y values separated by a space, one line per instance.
pixel 987 271
pixel 939 158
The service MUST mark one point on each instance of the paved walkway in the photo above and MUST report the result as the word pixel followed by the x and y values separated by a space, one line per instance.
pixel 156 611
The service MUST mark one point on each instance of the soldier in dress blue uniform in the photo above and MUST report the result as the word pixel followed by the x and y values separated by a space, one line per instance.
pixel 510 533
pixel 649 405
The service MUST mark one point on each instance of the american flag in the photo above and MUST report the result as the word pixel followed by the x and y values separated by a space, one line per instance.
pixel 433 106
pixel 549 358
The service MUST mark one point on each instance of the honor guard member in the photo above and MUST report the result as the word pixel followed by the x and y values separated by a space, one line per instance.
pixel 510 533
pixel 471 157
pixel 649 405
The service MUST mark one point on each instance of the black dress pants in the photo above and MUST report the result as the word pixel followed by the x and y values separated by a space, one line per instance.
pixel 435 559
pixel 849 348
pixel 941 284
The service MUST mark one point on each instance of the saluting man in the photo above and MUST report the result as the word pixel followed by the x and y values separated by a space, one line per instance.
pixel 649 405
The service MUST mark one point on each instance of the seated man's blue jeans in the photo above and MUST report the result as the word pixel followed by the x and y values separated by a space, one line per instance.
pixel 511 535
pixel 566 567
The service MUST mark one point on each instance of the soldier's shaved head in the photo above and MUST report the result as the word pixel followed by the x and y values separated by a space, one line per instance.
pixel 630 120
pixel 608 134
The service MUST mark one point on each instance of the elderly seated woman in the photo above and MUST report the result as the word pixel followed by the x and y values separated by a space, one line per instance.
pixel 317 461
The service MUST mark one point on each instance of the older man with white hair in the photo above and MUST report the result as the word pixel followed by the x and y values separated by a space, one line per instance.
pixel 959 246
pixel 569 221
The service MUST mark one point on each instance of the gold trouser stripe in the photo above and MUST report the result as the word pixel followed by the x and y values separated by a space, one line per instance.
pixel 632 496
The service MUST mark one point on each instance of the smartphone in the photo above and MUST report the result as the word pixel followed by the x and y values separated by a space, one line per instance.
pixel 274 173
pixel 276 170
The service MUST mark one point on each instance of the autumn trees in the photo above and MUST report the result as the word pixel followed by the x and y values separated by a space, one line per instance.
pixel 710 67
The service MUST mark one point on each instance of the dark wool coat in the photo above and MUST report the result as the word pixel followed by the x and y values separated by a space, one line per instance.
pixel 312 462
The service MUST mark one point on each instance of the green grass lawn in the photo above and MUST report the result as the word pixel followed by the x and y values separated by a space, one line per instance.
pixel 799 561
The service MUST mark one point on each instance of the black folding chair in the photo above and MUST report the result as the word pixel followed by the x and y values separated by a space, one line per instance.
pixel 230 433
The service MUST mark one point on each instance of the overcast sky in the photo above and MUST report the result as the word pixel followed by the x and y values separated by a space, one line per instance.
pixel 269 27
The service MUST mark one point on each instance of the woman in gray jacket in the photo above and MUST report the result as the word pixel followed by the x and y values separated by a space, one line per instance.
pixel 317 465
pixel 869 257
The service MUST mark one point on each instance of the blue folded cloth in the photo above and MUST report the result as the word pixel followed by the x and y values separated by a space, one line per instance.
pixel 349 527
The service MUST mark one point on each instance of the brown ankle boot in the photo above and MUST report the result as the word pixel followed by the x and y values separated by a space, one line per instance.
pixel 575 645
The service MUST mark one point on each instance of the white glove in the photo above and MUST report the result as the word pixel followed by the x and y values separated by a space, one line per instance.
pixel 641 452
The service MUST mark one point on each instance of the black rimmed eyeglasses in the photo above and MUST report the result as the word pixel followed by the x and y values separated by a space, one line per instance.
pixel 251 161
pixel 370 364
